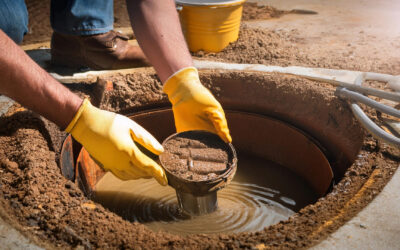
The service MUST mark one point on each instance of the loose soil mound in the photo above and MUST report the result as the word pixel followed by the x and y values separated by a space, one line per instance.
pixel 287 48
pixel 253 11
pixel 54 212
pixel 257 46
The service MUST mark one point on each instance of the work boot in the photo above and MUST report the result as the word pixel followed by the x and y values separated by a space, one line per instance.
pixel 110 50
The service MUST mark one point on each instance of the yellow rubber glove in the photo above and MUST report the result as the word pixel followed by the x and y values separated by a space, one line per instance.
pixel 194 107
pixel 109 138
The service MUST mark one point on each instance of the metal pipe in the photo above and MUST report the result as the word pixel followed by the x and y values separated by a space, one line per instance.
pixel 367 123
pixel 354 96
pixel 198 205
pixel 371 127
pixel 366 90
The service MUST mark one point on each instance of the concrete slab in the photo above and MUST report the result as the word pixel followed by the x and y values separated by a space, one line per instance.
pixel 5 104
pixel 340 17
pixel 355 29
pixel 375 227
pixel 10 238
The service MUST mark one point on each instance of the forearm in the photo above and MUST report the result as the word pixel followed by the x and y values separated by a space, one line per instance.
pixel 27 83
pixel 158 31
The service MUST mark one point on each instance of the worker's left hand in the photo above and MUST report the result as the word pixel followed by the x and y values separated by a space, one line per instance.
pixel 194 107
pixel 110 139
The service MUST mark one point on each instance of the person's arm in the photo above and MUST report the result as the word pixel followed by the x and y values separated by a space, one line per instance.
pixel 108 137
pixel 158 31
pixel 27 83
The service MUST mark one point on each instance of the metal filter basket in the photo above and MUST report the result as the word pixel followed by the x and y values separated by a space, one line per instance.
pixel 200 197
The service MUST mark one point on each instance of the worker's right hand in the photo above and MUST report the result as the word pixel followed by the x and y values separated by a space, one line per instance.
pixel 194 107
pixel 109 138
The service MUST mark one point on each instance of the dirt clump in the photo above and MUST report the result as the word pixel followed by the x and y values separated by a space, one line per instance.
pixel 253 11
pixel 255 46
pixel 195 156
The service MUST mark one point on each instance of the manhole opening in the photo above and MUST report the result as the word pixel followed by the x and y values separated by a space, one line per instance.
pixel 281 169
pixel 54 212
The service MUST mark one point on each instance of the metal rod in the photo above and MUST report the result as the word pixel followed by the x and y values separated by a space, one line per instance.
pixel 367 123
pixel 364 90
pixel 354 96
pixel 374 129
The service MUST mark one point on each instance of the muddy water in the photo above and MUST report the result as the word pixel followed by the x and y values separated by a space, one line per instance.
pixel 261 194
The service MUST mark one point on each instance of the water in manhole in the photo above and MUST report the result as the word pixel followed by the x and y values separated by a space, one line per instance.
pixel 262 193
pixel 280 170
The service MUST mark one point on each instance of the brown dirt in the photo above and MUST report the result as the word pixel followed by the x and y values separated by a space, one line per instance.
pixel 256 47
pixel 253 11
pixel 196 157
pixel 288 48
pixel 54 212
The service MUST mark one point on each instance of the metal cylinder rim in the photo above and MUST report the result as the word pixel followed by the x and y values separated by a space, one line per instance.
pixel 210 3
pixel 219 178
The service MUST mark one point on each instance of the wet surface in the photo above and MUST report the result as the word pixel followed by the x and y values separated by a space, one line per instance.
pixel 261 194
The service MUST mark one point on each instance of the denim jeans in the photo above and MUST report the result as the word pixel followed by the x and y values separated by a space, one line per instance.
pixel 73 17
pixel 14 19
pixel 82 17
